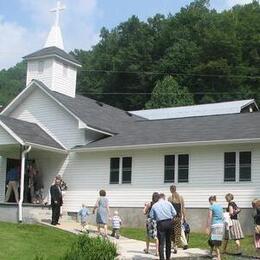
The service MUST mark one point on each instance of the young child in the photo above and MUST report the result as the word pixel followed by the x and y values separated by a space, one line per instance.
pixel 116 224
pixel 83 214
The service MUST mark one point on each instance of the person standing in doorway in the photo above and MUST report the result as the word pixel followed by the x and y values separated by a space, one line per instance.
pixel 163 212
pixel 12 180
pixel 56 202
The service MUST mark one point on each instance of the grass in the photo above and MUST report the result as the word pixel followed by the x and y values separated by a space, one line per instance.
pixel 23 242
pixel 198 240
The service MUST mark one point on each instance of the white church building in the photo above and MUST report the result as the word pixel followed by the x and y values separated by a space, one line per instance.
pixel 204 150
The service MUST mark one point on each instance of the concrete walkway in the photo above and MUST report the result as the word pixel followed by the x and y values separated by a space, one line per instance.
pixel 130 248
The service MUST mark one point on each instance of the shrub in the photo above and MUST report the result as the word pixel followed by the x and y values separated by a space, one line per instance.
pixel 86 248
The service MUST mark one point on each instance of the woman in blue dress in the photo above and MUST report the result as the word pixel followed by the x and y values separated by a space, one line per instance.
pixel 102 208
pixel 215 227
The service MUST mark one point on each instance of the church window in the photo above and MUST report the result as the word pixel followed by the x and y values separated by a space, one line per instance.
pixel 41 66
pixel 65 70
pixel 183 168
pixel 114 170
pixel 121 170
pixel 169 168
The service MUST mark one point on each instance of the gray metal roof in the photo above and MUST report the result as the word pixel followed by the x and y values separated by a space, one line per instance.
pixel 50 51
pixel 93 113
pixel 195 129
pixel 29 132
pixel 221 108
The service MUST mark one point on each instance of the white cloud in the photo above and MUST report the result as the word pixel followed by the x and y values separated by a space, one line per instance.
pixel 77 21
pixel 77 25
pixel 16 41
pixel 231 3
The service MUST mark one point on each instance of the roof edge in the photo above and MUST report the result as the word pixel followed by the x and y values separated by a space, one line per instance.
pixel 165 145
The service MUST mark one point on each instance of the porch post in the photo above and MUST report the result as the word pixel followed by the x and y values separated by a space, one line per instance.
pixel 20 210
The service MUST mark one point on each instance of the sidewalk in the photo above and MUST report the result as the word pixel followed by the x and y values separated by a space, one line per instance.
pixel 130 248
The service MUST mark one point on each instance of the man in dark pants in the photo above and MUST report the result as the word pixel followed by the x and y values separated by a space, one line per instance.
pixel 56 201
pixel 163 212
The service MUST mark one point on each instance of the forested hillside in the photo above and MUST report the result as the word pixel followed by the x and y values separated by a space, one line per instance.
pixel 195 56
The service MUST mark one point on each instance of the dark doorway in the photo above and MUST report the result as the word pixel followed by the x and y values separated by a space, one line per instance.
pixel 11 163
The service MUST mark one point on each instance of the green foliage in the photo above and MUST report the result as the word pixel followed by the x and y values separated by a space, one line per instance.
pixel 214 55
pixel 86 248
pixel 168 93
pixel 12 81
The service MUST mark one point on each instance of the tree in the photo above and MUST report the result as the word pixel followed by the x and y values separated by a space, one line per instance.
pixel 168 93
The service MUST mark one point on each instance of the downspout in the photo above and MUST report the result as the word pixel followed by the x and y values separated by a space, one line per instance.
pixel 20 204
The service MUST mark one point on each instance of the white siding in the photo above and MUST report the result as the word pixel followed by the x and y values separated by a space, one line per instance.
pixel 2 178
pixel 53 75
pixel 64 83
pixel 49 165
pixel 46 76
pixel 86 173
pixel 5 138
pixel 41 109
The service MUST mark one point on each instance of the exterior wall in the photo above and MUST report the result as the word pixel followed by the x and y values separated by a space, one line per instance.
pixel 45 76
pixel 64 82
pixel 54 76
pixel 2 178
pixel 5 138
pixel 87 173
pixel 49 166
pixel 41 109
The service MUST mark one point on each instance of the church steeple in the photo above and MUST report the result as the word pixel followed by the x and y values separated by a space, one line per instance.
pixel 52 65
pixel 55 36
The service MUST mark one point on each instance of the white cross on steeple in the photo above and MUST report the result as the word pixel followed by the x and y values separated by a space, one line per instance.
pixel 57 11
pixel 55 37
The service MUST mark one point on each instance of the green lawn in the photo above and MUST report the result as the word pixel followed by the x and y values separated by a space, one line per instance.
pixel 198 241
pixel 24 242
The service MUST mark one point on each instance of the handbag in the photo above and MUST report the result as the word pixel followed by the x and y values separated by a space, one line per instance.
pixel 257 229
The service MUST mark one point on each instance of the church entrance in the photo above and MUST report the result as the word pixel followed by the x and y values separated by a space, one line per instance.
pixel 11 164
pixel 32 181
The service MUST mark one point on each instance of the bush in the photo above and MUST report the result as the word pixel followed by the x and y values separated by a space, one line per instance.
pixel 86 248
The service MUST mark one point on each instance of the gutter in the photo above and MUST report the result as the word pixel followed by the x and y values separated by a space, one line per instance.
pixel 165 145
pixel 20 204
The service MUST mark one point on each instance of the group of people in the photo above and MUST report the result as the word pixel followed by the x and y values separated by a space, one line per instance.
pixel 102 211
pixel 166 223
pixel 226 226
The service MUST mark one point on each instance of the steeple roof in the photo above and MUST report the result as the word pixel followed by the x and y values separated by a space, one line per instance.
pixel 50 52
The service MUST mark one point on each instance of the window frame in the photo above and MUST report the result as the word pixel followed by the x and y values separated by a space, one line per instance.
pixel 188 168
pixel 121 181
pixel 237 166
pixel 174 171
pixel 250 166
pixel 176 168
pixel 235 177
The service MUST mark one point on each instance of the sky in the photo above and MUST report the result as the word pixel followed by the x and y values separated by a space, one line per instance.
pixel 24 24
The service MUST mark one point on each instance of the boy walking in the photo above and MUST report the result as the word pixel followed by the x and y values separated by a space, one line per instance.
pixel 83 214
pixel 116 224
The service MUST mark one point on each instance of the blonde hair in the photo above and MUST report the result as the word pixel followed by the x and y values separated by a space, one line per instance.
pixel 229 197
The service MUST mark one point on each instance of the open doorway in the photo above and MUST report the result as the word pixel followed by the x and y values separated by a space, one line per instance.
pixel 11 164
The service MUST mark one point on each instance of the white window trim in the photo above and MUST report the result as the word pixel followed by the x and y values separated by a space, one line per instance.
pixel 237 168
pixel 176 168
pixel 121 170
